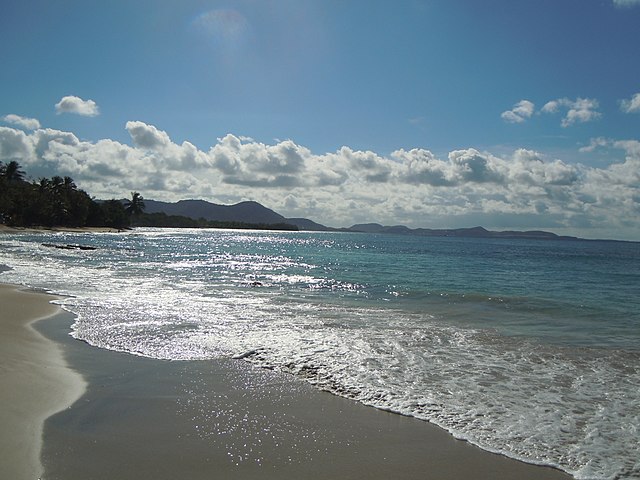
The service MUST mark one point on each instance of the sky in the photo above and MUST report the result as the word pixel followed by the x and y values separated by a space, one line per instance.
pixel 510 114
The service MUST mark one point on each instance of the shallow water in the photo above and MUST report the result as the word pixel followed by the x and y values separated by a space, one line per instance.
pixel 527 348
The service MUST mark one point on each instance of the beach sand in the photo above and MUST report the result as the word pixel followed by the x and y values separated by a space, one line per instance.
pixel 141 418
pixel 35 381
pixel 6 229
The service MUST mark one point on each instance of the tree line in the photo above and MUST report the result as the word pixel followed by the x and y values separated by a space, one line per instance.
pixel 161 219
pixel 57 201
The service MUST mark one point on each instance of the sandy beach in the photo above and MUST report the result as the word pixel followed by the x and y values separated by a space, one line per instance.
pixel 7 229
pixel 35 379
pixel 141 418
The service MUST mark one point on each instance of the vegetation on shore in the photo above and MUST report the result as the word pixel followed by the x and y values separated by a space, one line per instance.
pixel 58 202
pixel 177 221
pixel 53 202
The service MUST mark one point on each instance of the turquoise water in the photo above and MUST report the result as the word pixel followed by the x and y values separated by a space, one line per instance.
pixel 523 347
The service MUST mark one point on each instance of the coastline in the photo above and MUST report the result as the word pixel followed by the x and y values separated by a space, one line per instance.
pixel 36 381
pixel 7 229
pixel 146 418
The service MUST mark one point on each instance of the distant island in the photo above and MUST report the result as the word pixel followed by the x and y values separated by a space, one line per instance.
pixel 253 212
pixel 473 232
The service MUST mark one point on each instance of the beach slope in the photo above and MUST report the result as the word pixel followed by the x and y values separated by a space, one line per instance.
pixel 35 380
pixel 144 418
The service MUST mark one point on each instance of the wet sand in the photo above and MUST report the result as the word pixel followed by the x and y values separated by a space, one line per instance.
pixel 148 419
pixel 35 381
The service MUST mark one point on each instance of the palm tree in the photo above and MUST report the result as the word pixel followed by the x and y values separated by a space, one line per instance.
pixel 114 214
pixel 12 172
pixel 68 184
pixel 135 206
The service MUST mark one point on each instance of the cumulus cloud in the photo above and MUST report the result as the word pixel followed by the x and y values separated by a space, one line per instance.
pixel 519 113
pixel 551 106
pixel 414 187
pixel 366 165
pixel 472 166
pixel 161 151
pixel 147 136
pixel 15 145
pixel 23 122
pixel 422 167
pixel 72 104
pixel 631 148
pixel 255 164
pixel 632 105
pixel 595 143
pixel 580 110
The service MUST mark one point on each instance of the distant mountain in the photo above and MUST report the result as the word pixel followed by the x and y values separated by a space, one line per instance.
pixel 308 225
pixel 368 228
pixel 474 232
pixel 247 212
pixel 253 212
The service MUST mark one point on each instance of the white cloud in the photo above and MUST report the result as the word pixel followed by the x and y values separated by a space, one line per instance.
pixel 291 202
pixel 258 165
pixel 15 145
pixel 414 187
pixel 147 136
pixel 422 167
pixel 471 166
pixel 580 110
pixel 632 105
pixel 631 148
pixel 24 122
pixel 366 165
pixel 551 107
pixel 534 183
pixel 595 143
pixel 519 113
pixel 72 104
pixel 161 151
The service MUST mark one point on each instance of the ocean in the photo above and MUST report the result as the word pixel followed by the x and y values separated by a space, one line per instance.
pixel 527 348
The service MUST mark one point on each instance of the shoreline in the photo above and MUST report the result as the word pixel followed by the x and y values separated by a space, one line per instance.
pixel 146 418
pixel 36 381
pixel 6 229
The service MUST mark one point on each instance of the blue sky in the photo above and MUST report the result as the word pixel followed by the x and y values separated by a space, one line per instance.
pixel 509 114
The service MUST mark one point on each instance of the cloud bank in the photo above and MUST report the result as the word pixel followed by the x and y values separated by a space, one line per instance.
pixel 72 104
pixel 523 189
